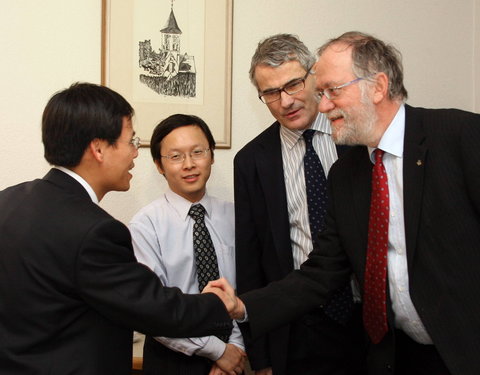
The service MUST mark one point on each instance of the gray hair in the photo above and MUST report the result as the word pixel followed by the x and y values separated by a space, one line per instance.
pixel 277 49
pixel 370 56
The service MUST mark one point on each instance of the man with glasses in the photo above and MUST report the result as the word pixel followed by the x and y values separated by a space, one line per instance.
pixel 71 289
pixel 274 230
pixel 404 215
pixel 164 239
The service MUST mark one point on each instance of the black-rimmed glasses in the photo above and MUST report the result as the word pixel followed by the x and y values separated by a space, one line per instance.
pixel 289 88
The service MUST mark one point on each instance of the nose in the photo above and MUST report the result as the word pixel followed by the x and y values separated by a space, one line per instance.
pixel 135 154
pixel 286 100
pixel 325 105
pixel 188 162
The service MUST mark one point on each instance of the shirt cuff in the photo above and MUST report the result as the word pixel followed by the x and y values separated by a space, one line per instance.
pixel 245 316
pixel 213 349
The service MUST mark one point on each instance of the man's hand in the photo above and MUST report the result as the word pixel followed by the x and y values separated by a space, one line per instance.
pixel 215 370
pixel 226 293
pixel 232 361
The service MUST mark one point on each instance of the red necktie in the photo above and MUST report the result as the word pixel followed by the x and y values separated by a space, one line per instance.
pixel 374 301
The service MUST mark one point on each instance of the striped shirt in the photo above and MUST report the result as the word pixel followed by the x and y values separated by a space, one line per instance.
pixel 293 150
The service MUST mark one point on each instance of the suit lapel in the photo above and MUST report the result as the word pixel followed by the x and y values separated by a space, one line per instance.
pixel 414 164
pixel 270 169
pixel 361 186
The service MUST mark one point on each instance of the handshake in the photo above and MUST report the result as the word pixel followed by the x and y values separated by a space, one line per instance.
pixel 226 293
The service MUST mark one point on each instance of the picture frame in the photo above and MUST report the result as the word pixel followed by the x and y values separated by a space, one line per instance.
pixel 170 56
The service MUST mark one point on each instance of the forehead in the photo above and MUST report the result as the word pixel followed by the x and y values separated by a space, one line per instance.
pixel 270 77
pixel 184 136
pixel 334 66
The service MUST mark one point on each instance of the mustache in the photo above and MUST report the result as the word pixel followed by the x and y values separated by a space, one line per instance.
pixel 336 113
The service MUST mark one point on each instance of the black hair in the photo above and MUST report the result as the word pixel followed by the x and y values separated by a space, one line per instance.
pixel 77 115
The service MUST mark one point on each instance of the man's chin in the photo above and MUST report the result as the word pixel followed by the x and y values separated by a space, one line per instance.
pixel 342 140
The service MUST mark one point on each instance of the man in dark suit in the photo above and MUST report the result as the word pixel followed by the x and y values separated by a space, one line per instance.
pixel 419 273
pixel 273 233
pixel 71 291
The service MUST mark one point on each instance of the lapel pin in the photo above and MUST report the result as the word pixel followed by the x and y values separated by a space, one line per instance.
pixel 419 162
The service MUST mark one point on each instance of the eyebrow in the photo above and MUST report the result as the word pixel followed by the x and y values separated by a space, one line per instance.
pixel 192 147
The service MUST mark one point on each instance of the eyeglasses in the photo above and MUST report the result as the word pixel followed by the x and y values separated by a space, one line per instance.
pixel 135 142
pixel 289 88
pixel 179 157
pixel 333 93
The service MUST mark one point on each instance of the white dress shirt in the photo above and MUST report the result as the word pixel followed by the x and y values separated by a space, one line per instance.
pixel 406 317
pixel 293 151
pixel 162 234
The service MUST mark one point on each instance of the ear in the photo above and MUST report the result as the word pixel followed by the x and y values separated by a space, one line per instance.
pixel 381 88
pixel 97 149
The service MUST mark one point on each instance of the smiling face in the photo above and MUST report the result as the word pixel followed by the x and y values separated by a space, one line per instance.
pixel 189 177
pixel 296 111
pixel 352 114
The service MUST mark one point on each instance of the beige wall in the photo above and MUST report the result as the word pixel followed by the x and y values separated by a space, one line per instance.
pixel 45 46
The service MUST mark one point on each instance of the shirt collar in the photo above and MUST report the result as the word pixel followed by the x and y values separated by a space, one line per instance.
pixel 182 205
pixel 392 140
pixel 291 137
pixel 81 181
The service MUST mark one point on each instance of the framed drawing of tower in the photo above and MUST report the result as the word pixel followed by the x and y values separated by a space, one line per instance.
pixel 170 56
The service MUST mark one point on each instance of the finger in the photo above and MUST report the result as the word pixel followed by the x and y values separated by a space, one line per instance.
pixel 218 284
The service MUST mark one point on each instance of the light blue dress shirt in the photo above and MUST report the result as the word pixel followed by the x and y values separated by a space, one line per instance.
pixel 162 234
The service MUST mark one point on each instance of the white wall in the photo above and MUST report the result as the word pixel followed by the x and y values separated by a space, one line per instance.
pixel 47 45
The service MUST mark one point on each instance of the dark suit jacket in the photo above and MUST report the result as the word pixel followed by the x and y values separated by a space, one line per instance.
pixel 441 173
pixel 263 245
pixel 71 291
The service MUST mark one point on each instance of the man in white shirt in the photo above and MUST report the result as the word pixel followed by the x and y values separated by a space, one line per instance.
pixel 415 171
pixel 182 148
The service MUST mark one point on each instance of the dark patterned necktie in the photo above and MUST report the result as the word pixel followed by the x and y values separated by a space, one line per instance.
pixel 205 256
pixel 375 303
pixel 316 185
pixel 340 305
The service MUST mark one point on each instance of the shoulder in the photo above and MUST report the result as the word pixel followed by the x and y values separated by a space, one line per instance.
pixel 265 138
pixel 441 126
pixel 18 188
pixel 450 116
pixel 151 210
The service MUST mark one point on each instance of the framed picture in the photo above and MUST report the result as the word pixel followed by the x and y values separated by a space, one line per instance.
pixel 170 56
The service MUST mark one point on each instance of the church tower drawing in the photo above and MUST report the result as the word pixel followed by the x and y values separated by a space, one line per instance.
pixel 168 71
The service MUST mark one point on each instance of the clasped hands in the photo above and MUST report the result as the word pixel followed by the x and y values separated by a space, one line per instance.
pixel 223 289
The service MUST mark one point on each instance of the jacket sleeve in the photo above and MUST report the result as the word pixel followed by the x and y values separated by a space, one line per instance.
pixel 326 269
pixel 113 283
pixel 248 257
